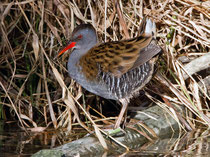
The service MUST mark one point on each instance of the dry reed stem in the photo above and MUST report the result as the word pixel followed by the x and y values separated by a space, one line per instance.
pixel 30 28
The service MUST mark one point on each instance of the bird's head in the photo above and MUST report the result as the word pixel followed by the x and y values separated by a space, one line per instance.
pixel 83 38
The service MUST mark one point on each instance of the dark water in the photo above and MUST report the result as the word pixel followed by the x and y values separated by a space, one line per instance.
pixel 17 143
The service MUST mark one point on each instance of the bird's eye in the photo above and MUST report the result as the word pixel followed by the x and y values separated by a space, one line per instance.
pixel 79 36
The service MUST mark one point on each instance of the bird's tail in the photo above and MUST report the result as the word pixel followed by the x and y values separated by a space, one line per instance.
pixel 150 28
pixel 147 27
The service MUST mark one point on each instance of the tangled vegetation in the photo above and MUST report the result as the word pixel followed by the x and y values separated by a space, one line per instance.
pixel 34 85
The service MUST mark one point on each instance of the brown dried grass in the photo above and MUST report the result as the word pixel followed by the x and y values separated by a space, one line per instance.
pixel 33 84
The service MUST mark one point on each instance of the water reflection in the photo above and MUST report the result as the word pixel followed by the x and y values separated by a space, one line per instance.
pixel 195 143
pixel 14 142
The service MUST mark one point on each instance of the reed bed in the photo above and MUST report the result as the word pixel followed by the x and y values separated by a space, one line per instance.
pixel 35 89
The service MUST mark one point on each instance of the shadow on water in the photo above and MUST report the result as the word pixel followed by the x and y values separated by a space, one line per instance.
pixel 14 142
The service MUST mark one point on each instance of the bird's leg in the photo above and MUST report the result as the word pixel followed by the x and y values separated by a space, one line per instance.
pixel 124 103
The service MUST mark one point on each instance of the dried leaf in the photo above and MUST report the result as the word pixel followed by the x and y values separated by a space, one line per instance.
pixel 100 137
pixel 35 45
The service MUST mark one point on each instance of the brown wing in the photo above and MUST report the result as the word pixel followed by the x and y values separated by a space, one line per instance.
pixel 119 57
pixel 116 57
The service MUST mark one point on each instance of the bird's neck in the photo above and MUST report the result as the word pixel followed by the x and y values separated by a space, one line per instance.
pixel 78 53
pixel 82 48
pixel 73 62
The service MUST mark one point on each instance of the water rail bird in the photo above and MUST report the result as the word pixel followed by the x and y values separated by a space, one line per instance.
pixel 114 70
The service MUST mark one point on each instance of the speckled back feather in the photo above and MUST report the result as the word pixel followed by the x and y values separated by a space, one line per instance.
pixel 114 57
